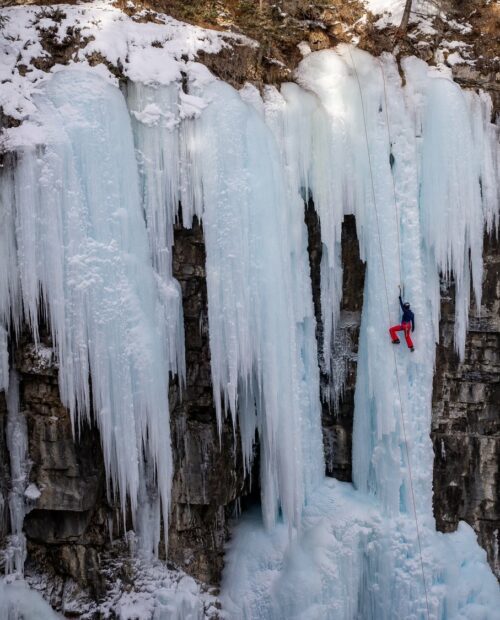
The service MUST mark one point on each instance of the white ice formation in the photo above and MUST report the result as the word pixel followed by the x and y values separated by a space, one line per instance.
pixel 358 553
pixel 82 262
pixel 18 602
pixel 88 206
pixel 224 166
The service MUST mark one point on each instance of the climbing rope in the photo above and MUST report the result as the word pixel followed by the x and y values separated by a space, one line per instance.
pixel 396 212
pixel 389 317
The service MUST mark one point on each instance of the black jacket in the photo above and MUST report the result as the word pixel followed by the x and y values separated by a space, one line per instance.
pixel 408 316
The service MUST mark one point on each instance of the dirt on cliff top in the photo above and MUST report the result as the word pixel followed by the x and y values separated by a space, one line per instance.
pixel 278 27
pixel 465 34
pixel 462 34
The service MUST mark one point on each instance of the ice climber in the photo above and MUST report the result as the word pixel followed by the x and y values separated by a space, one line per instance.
pixel 407 322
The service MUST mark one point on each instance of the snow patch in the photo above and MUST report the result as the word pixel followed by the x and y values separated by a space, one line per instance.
pixel 32 492
pixel 153 52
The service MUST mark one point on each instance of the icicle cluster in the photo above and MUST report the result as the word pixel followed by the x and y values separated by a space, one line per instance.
pixel 458 159
pixel 394 163
pixel 302 128
pixel 75 252
pixel 223 165
pixel 86 245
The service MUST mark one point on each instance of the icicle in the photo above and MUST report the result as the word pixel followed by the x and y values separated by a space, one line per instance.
pixel 256 267
pixel 148 511
pixel 307 136
pixel 10 308
pixel 155 120
pixel 486 137
pixel 458 180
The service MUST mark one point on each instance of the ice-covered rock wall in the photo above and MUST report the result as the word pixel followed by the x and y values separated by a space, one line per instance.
pixel 87 247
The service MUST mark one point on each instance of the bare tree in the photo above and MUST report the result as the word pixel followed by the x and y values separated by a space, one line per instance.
pixel 403 26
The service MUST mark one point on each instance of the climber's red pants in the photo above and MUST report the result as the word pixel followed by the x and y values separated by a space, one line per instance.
pixel 406 327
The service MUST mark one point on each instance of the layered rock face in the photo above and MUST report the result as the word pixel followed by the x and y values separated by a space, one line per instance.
pixel 70 522
pixel 208 471
pixel 466 420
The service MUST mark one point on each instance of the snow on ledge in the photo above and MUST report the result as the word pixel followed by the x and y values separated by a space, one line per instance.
pixel 153 51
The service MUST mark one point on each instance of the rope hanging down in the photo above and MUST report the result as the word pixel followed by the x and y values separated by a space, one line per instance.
pixel 396 208
pixel 389 318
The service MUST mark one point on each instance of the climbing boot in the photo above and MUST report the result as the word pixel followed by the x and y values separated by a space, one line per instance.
pixel 412 349
pixel 396 341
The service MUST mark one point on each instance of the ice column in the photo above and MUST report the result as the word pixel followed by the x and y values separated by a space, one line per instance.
pixel 9 278
pixel 260 312
pixel 307 137
pixel 4 359
pixel 155 122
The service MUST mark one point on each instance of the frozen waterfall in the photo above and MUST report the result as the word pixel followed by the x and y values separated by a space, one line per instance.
pixel 229 173
pixel 356 554
pixel 82 262
pixel 87 212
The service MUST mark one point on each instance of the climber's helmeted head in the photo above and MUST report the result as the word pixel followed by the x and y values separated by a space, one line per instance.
pixel 406 305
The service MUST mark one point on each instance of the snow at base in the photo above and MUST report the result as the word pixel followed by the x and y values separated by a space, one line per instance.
pixel 19 602
pixel 151 592
pixel 350 561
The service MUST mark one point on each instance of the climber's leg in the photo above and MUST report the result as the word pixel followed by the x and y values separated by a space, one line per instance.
pixel 393 331
pixel 407 328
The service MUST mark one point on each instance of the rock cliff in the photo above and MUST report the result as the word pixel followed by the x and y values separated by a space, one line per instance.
pixel 465 416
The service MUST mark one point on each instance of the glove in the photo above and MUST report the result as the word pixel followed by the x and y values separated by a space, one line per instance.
pixel 412 330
